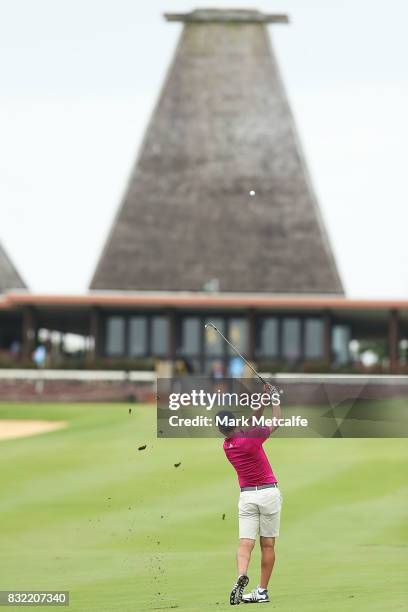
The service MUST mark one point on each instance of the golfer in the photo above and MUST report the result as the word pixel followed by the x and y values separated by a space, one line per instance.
pixel 259 505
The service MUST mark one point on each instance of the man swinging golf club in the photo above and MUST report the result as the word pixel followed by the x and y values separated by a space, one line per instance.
pixel 260 502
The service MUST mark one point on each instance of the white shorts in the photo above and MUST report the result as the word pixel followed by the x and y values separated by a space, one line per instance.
pixel 259 512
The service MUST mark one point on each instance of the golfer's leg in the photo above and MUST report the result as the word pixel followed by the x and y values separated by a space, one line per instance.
pixel 269 523
pixel 248 531
pixel 267 560
pixel 245 549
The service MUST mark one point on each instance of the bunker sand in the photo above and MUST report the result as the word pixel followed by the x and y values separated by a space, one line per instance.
pixel 10 428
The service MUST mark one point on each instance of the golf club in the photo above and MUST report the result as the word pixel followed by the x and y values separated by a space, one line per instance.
pixel 234 348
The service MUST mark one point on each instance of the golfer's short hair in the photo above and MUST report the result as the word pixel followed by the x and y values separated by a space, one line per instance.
pixel 225 429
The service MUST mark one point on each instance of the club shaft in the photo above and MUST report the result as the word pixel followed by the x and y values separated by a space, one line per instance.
pixel 234 348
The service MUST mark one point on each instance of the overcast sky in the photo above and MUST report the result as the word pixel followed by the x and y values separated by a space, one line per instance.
pixel 79 78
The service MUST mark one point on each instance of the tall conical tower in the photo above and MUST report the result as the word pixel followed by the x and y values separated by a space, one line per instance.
pixel 220 190
pixel 9 277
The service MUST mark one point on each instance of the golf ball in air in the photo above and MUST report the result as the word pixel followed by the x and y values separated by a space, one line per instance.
pixel 252 193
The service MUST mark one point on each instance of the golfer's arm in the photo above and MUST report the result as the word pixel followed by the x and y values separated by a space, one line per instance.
pixel 259 411
pixel 276 414
pixel 276 411
pixel 256 413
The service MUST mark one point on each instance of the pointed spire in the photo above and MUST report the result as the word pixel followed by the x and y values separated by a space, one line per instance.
pixel 220 190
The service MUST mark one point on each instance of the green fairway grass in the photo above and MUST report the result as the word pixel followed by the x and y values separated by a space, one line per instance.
pixel 82 509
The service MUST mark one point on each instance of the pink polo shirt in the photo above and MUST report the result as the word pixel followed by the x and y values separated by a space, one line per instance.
pixel 248 457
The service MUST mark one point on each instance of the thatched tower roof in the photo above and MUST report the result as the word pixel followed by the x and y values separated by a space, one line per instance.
pixel 9 277
pixel 222 129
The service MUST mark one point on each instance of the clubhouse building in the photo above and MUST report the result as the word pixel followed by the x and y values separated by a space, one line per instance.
pixel 219 223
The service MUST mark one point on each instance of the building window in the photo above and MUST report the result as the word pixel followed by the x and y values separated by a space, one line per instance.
pixel 313 339
pixel 268 338
pixel 214 345
pixel 291 347
pixel 137 336
pixel 190 336
pixel 160 336
pixel 115 336
pixel 340 344
pixel 238 334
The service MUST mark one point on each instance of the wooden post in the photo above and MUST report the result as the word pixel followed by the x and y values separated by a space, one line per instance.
pixel 251 349
pixel 29 332
pixel 393 333
pixel 327 339
pixel 172 337
pixel 95 333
